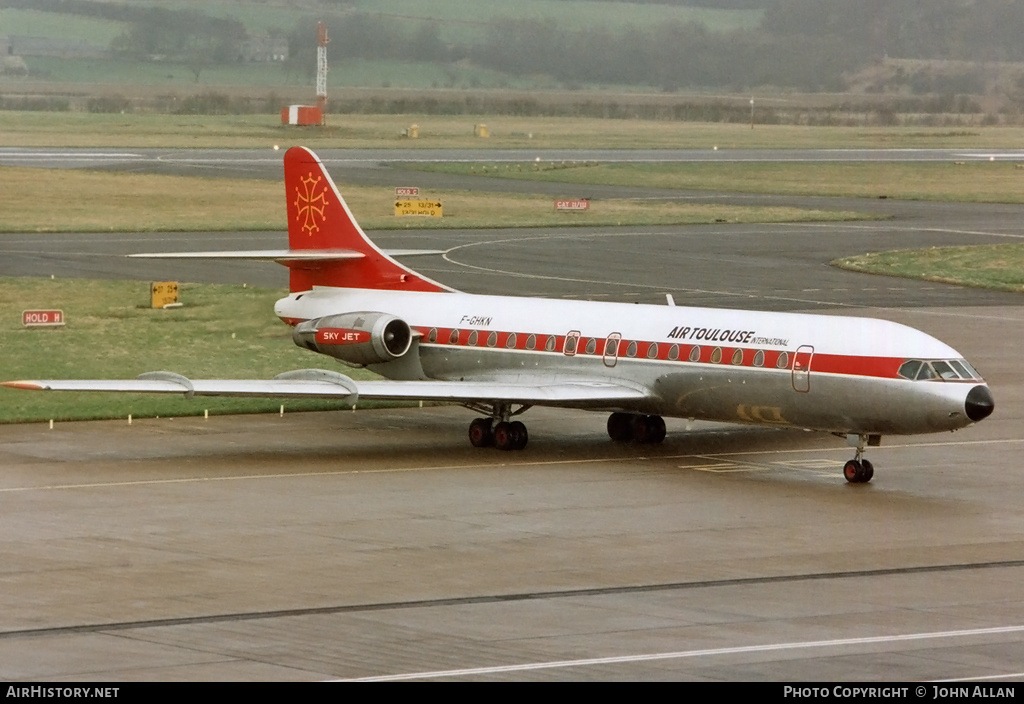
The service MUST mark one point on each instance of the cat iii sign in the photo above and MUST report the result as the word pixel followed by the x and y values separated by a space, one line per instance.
pixel 572 204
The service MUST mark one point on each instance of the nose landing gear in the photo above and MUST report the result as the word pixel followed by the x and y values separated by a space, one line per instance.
pixel 858 470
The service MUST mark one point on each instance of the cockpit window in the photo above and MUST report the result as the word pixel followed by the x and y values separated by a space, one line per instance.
pixel 968 372
pixel 939 369
pixel 910 368
pixel 963 369
pixel 944 370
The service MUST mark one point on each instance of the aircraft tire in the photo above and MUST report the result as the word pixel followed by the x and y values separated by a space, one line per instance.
pixel 869 471
pixel 481 433
pixel 620 427
pixel 503 436
pixel 657 428
pixel 520 435
pixel 647 430
pixel 853 471
pixel 638 428
pixel 510 436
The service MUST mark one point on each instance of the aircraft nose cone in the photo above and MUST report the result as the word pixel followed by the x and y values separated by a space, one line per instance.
pixel 979 404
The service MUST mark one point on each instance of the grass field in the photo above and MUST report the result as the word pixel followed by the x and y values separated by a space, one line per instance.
pixel 112 333
pixel 32 23
pixel 461 21
pixel 75 129
pixel 457 24
pixel 999 267
pixel 127 202
pixel 457 21
pixel 989 182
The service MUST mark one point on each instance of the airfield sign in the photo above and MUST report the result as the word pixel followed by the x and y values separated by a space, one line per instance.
pixel 42 318
pixel 572 204
pixel 431 208
pixel 163 293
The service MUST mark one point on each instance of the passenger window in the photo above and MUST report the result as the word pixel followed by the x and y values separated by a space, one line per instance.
pixel 673 352
pixel 695 354
pixel 652 351
pixel 737 357
pixel 592 345
pixel 473 338
pixel 510 343
pixel 549 345
pixel 759 358
pixel 531 342
pixel 716 355
pixel 453 339
pixel 631 350
pixel 432 335
pixel 492 339
pixel 783 361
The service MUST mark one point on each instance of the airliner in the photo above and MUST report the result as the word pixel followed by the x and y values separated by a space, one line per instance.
pixel 857 378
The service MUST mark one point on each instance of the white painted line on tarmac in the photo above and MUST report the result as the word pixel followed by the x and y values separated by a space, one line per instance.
pixel 985 678
pixel 70 155
pixel 684 654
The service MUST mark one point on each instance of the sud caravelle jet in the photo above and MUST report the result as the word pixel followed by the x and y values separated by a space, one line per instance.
pixel 497 355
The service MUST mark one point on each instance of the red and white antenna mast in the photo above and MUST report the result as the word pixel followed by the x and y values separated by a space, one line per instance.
pixel 321 67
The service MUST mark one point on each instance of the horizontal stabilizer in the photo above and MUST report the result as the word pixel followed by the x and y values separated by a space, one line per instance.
pixel 411 252
pixel 284 255
pixel 267 255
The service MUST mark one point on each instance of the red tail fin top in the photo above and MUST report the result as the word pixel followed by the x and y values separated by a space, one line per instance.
pixel 319 219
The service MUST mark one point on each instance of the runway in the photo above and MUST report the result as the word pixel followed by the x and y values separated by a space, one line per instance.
pixel 379 544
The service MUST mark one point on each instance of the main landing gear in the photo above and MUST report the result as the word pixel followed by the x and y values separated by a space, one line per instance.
pixel 626 427
pixel 501 432
pixel 857 470
pixel 504 434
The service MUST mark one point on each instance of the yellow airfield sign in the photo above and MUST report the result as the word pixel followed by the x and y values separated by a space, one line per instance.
pixel 163 293
pixel 431 208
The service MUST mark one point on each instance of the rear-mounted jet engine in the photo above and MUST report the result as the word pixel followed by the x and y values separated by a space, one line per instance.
pixel 356 338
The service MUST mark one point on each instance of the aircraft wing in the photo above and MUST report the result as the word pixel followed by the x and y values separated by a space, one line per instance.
pixel 319 383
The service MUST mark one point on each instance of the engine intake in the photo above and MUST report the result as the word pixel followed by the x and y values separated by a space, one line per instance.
pixel 356 338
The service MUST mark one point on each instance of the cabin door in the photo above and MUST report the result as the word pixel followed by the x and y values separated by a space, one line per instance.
pixel 611 349
pixel 802 368
pixel 572 341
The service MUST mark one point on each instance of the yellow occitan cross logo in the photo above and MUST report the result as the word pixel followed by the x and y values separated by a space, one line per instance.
pixel 309 204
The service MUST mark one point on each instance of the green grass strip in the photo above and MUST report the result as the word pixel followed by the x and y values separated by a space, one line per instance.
pixel 999 266
pixel 42 200
pixel 984 182
pixel 221 332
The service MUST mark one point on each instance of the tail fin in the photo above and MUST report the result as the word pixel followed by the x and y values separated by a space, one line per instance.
pixel 319 220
